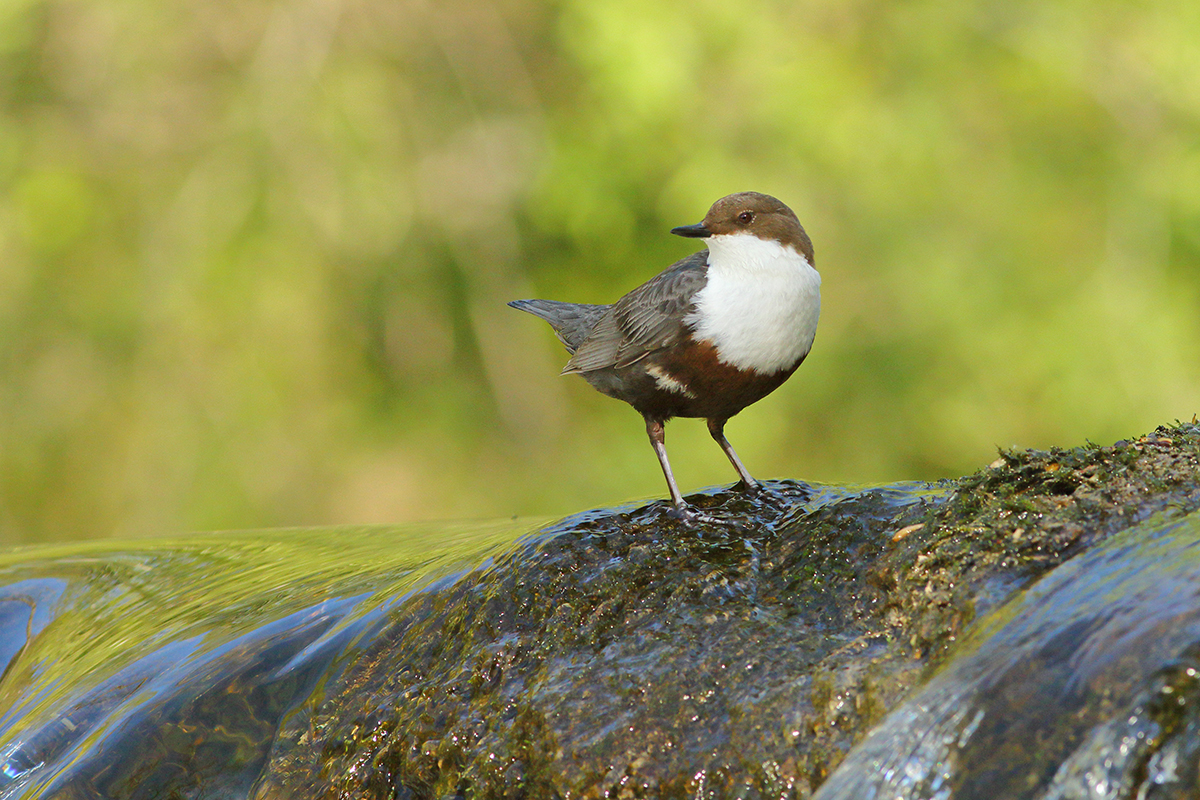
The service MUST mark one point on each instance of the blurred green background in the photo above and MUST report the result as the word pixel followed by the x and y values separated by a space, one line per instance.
pixel 254 255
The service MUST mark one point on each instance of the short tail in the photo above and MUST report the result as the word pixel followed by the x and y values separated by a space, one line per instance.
pixel 572 322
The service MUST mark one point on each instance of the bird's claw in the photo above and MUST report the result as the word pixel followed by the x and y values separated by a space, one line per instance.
pixel 690 515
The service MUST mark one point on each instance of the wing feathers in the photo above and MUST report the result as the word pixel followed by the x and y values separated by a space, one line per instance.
pixel 647 319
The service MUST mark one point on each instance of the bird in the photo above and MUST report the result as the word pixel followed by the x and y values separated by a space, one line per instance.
pixel 709 335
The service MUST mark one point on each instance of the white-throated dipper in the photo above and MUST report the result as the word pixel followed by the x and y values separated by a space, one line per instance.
pixel 708 336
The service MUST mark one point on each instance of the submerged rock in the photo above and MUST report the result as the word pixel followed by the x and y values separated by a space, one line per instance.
pixel 627 655
pixel 1087 685
pixel 1031 630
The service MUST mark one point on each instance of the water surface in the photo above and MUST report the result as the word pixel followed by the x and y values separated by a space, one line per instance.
pixel 194 646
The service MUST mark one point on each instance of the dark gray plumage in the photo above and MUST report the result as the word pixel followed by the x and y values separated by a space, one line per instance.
pixel 646 320
pixel 572 322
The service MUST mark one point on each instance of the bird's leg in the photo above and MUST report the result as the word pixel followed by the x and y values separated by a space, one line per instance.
pixel 716 427
pixel 657 433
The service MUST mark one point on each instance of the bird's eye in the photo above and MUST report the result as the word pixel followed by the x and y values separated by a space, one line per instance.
pixel 746 217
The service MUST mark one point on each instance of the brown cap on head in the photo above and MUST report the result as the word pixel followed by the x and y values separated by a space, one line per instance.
pixel 757 214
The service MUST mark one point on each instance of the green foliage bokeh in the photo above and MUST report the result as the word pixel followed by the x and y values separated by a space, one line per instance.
pixel 254 255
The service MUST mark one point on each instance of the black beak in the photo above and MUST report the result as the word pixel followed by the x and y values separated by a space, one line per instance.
pixel 697 231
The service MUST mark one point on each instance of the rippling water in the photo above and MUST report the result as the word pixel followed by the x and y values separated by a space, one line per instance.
pixel 174 668
pixel 1084 686
pixel 194 646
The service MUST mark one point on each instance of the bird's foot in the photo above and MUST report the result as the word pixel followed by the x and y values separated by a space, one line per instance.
pixel 765 495
pixel 690 515
pixel 750 488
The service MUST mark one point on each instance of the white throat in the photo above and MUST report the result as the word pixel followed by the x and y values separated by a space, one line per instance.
pixel 760 305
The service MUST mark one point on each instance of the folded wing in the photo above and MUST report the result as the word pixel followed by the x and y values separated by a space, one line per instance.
pixel 647 319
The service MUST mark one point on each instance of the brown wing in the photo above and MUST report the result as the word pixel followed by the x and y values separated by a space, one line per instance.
pixel 647 319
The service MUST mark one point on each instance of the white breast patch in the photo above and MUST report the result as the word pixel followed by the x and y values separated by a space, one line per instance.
pixel 760 305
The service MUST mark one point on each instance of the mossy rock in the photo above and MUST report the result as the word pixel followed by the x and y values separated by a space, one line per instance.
pixel 624 654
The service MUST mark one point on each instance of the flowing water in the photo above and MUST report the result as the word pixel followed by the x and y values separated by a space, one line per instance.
pixel 194 647
pixel 1086 685
pixel 179 668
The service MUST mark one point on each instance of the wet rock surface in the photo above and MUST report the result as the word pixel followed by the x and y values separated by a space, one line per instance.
pixel 627 655
pixel 1032 630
